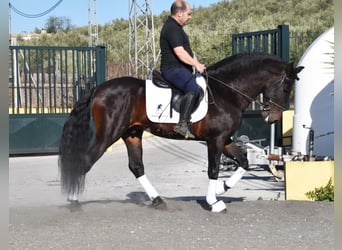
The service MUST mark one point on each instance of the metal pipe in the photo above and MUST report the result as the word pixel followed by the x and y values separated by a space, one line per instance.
pixel 272 138
pixel 311 142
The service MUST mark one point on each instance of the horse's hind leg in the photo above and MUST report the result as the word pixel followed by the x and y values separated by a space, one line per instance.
pixel 134 148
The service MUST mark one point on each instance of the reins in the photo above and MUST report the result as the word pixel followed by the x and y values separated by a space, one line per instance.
pixel 270 102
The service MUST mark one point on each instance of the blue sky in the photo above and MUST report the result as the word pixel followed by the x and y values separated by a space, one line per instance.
pixel 77 11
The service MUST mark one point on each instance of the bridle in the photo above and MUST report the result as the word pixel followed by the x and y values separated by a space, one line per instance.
pixel 266 105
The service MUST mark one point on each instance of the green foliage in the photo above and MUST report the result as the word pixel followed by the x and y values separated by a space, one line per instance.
pixel 217 23
pixel 211 28
pixel 323 193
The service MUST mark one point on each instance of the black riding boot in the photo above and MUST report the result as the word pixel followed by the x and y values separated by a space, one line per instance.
pixel 185 115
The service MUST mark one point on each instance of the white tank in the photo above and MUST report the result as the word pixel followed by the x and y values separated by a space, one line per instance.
pixel 314 98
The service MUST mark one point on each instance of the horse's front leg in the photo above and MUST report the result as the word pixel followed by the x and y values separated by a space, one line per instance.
pixel 214 152
pixel 234 152
pixel 134 149
pixel 216 187
pixel 231 150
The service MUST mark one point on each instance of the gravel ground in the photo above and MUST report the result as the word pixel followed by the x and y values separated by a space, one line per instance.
pixel 113 213
pixel 184 225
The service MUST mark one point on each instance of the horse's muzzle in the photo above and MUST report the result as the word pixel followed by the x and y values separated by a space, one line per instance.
pixel 271 116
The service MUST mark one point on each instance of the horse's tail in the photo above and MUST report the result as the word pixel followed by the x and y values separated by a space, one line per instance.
pixel 73 146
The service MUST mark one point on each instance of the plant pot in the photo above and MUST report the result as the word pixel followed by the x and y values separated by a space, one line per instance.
pixel 304 176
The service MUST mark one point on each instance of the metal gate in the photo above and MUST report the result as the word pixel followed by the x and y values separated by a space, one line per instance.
pixel 276 42
pixel 44 84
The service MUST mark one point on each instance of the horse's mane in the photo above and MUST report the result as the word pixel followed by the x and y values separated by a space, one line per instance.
pixel 243 61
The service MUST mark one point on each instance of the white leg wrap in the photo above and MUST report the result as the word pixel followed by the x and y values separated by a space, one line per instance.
pixel 215 206
pixel 218 207
pixel 72 197
pixel 220 187
pixel 149 189
pixel 211 195
pixel 235 177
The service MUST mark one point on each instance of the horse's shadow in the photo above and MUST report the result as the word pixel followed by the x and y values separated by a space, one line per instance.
pixel 141 199
pixel 201 200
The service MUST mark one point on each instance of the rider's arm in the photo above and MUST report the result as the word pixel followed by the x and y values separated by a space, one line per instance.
pixel 184 56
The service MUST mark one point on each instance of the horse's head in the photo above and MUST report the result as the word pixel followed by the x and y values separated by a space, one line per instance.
pixel 276 95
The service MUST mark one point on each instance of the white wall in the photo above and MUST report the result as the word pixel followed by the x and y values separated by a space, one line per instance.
pixel 314 98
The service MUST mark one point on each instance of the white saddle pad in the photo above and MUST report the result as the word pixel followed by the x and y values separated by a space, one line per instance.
pixel 158 103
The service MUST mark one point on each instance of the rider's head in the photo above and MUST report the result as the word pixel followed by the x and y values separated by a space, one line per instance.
pixel 181 12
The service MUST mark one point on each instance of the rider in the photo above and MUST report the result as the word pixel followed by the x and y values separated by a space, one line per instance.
pixel 177 60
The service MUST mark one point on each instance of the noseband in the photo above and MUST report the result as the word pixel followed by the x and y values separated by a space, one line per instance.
pixel 266 105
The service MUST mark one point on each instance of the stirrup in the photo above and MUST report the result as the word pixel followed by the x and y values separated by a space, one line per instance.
pixel 187 134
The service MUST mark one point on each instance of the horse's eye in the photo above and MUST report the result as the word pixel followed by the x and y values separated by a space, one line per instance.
pixel 266 107
pixel 287 88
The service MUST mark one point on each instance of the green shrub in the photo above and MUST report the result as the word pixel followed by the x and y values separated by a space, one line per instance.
pixel 323 193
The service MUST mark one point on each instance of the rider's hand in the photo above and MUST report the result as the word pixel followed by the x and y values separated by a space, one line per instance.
pixel 200 67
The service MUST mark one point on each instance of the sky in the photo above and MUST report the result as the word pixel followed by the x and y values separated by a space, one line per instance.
pixel 77 11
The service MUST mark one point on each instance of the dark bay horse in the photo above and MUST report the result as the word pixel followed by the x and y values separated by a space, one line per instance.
pixel 116 109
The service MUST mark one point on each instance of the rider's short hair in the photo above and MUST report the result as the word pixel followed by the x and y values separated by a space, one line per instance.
pixel 177 6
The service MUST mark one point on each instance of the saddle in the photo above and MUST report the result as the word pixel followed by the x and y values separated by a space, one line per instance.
pixel 163 100
pixel 177 95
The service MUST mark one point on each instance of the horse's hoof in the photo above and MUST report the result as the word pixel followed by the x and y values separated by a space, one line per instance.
pixel 158 203
pixel 72 201
pixel 218 207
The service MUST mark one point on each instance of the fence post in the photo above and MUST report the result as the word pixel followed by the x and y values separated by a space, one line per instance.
pixel 100 62
pixel 233 45
pixel 284 53
pixel 284 42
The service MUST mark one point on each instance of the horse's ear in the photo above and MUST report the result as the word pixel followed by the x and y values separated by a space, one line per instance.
pixel 292 72
pixel 297 70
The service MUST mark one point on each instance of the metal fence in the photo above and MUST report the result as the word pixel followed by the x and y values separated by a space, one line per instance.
pixel 274 41
pixel 44 84
pixel 51 79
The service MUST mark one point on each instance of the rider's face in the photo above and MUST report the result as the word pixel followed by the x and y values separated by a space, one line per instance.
pixel 186 16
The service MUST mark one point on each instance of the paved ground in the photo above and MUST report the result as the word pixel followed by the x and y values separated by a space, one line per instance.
pixel 113 213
